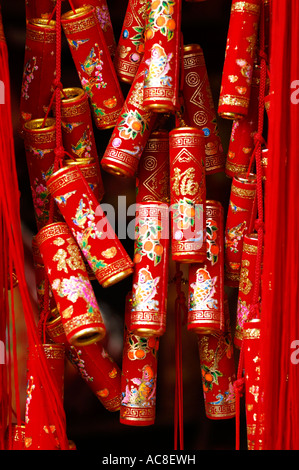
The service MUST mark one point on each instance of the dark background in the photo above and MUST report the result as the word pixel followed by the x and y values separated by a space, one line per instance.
pixel 90 426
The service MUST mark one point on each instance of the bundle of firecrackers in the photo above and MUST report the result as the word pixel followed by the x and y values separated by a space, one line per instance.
pixel 75 244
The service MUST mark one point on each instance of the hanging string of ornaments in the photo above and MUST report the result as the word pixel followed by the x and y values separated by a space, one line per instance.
pixel 164 134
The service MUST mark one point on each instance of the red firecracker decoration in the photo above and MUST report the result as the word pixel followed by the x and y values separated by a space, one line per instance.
pixel 252 383
pixel 130 47
pixel 55 356
pixel 96 367
pixel 246 285
pixel 187 194
pixel 103 14
pixel 39 69
pixel 206 280
pixel 131 132
pixel 162 55
pixel 242 143
pixel 153 171
pixel 240 219
pixel 198 106
pixel 94 64
pixel 90 172
pixel 70 284
pixel 218 372
pixel 89 225
pixel 40 143
pixel 139 377
pixel 150 278
pixel 41 280
pixel 239 59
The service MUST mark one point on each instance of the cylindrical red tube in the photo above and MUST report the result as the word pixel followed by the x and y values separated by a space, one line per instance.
pixel 246 285
pixel 139 377
pixel 131 132
pixel 153 171
pixel 187 195
pixel 95 236
pixel 162 56
pixel 239 59
pixel 96 367
pixel 94 64
pixel 103 14
pixel 198 106
pixel 39 69
pixel 240 219
pixel 218 372
pixel 206 280
pixel 150 279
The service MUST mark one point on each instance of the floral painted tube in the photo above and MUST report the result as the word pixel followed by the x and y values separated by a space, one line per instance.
pixel 187 195
pixel 103 14
pixel 75 299
pixel 252 364
pixel 218 373
pixel 94 64
pixel 246 285
pixel 131 132
pixel 206 280
pixel 39 69
pixel 240 54
pixel 40 279
pixel 199 108
pixel 39 8
pixel 240 219
pixel 44 433
pixel 153 170
pixel 89 225
pixel 40 143
pixel 130 47
pixel 139 377
pixel 150 279
pixel 241 144
pixel 162 55
pixel 96 367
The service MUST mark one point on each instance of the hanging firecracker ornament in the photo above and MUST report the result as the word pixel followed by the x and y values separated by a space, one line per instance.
pixel 70 284
pixel 139 376
pixel 90 226
pixel 187 195
pixel 45 436
pixel 130 47
pixel 94 64
pixel 77 129
pixel 103 14
pixel 150 278
pixel 39 69
pixel 131 132
pixel 252 367
pixel 218 372
pixel 152 182
pixel 239 59
pixel 206 280
pixel 246 285
pixel 198 106
pixel 242 143
pixel 162 55
pixel 240 219
pixel 94 364
pixel 40 143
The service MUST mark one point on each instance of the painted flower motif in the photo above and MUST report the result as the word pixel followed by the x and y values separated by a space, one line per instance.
pixel 148 235
pixel 160 18
pixel 102 13
pixel 211 238
pixel 28 76
pixel 40 200
pixel 132 124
